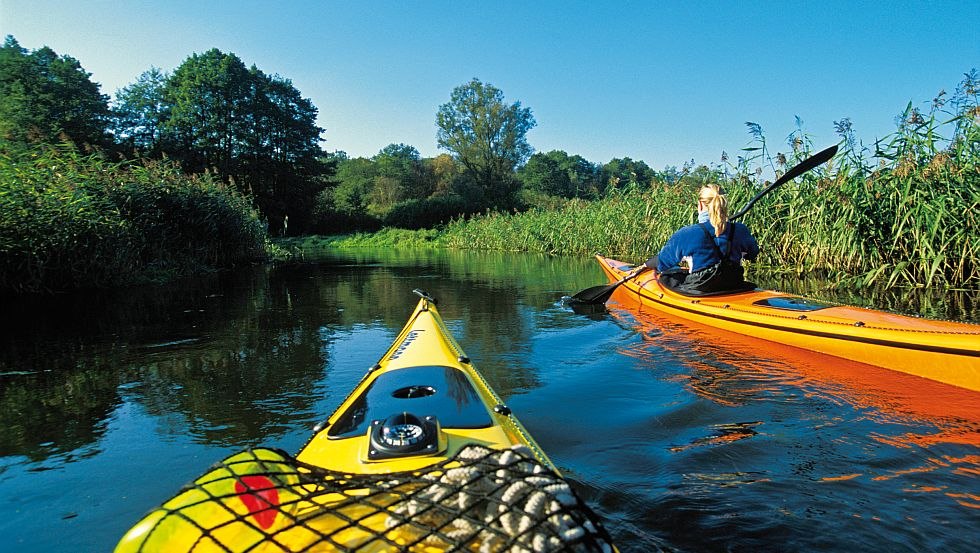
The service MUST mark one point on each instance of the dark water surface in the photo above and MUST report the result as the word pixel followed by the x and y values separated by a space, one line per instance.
pixel 681 438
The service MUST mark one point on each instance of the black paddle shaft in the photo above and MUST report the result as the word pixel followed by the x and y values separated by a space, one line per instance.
pixel 804 166
pixel 597 294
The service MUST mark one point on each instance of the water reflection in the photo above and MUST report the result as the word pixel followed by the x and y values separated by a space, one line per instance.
pixel 234 359
pixel 733 369
pixel 682 437
pixel 804 420
pixel 722 434
pixel 935 302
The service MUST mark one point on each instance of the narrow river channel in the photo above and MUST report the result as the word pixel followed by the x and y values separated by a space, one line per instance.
pixel 680 438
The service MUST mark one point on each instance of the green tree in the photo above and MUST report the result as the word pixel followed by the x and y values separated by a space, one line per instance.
pixel 139 113
pixel 342 206
pixel 208 95
pixel 353 183
pixel 542 173
pixel 558 174
pixel 620 173
pixel 445 172
pixel 404 164
pixel 44 96
pixel 487 136
pixel 252 129
pixel 280 162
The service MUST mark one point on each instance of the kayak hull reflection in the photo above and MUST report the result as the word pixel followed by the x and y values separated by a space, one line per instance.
pixel 944 351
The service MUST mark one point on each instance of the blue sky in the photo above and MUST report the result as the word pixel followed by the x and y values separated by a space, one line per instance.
pixel 663 82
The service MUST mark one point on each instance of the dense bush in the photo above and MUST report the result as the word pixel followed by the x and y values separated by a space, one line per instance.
pixel 68 221
pixel 427 212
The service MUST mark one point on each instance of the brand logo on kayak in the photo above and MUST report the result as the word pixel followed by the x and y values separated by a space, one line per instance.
pixel 412 335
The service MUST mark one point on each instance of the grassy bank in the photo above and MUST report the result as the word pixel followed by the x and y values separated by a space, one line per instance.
pixel 69 220
pixel 906 215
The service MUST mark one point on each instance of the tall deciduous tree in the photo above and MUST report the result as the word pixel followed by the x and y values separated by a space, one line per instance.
pixel 208 95
pixel 559 174
pixel 279 158
pixel 487 136
pixel 139 113
pixel 44 96
pixel 251 128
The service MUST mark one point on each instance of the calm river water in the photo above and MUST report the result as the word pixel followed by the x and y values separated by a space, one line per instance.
pixel 680 438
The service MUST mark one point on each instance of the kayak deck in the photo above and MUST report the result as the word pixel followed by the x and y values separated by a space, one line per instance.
pixel 421 456
pixel 945 351
pixel 426 373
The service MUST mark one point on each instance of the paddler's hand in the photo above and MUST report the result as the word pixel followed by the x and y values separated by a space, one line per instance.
pixel 639 269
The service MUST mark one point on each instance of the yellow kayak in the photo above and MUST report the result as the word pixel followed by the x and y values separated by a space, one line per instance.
pixel 944 351
pixel 421 456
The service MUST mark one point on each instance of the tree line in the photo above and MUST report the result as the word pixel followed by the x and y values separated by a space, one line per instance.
pixel 256 132
pixel 220 153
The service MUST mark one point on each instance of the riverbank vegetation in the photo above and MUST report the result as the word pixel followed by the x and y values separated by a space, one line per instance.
pixel 69 220
pixel 901 212
pixel 198 166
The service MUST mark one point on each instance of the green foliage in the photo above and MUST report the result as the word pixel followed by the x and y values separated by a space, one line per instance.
pixel 385 238
pixel 629 223
pixel 627 173
pixel 909 219
pixel 215 114
pixel 487 136
pixel 353 180
pixel 44 97
pixel 558 174
pixel 206 96
pixel 396 187
pixel 426 213
pixel 446 174
pixel 71 221
pixel 342 207
pixel 404 165
pixel 139 114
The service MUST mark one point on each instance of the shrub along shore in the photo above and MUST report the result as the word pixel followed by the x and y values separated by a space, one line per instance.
pixel 911 220
pixel 909 217
pixel 69 220
pixel 202 194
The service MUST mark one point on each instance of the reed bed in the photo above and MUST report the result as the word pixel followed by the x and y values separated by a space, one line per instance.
pixel 913 225
pixel 69 220
pixel 626 223
pixel 905 215
pixel 911 220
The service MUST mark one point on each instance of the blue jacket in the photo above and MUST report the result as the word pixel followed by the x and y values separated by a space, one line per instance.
pixel 691 241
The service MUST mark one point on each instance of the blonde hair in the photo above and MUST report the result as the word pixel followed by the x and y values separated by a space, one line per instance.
pixel 717 203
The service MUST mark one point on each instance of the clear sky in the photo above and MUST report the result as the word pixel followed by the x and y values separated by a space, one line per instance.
pixel 658 81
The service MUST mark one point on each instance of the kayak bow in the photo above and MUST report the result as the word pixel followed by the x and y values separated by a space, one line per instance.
pixel 421 456
pixel 945 351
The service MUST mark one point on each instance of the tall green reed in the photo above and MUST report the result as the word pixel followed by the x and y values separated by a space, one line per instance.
pixel 906 214
pixel 69 220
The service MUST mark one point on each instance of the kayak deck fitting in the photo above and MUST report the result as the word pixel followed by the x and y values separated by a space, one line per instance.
pixel 944 351
pixel 421 456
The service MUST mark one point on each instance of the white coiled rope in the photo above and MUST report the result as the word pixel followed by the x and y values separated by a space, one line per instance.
pixel 529 505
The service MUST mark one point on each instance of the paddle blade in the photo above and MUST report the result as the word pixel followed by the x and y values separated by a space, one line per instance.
pixel 596 294
pixel 804 166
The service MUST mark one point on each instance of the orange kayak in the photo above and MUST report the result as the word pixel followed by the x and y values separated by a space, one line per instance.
pixel 944 351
